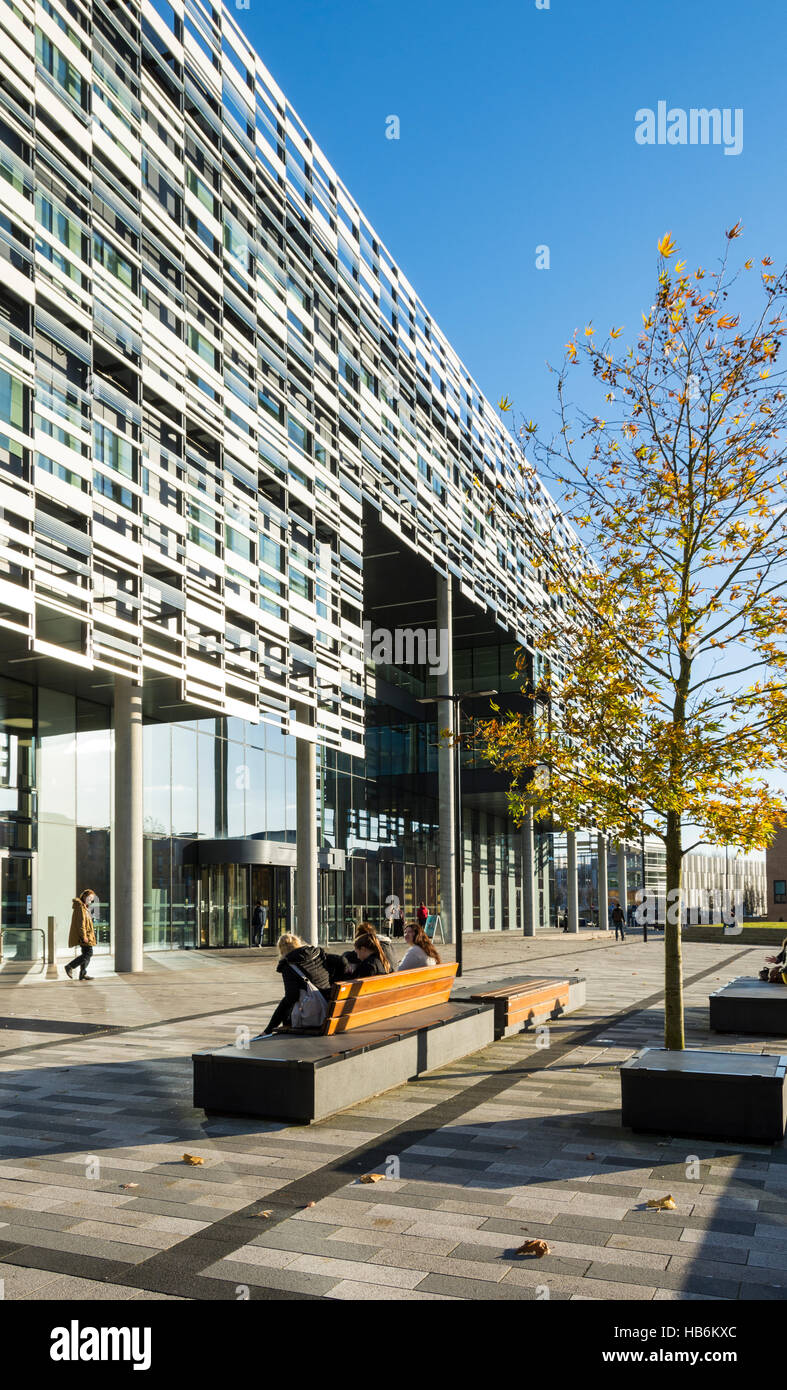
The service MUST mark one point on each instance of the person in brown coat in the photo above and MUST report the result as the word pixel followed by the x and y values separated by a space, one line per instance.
pixel 82 933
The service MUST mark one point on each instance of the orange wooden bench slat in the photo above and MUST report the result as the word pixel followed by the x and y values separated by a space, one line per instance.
pixel 346 1022
pixel 512 991
pixel 383 982
pixel 524 1007
pixel 358 1003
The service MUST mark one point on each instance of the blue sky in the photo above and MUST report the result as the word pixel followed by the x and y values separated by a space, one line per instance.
pixel 517 130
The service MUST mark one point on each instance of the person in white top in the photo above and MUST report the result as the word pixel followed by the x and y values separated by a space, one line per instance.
pixel 420 951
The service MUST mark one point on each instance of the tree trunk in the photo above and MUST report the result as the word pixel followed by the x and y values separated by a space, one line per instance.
pixel 673 963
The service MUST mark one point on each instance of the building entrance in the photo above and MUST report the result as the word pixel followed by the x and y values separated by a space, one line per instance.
pixel 228 894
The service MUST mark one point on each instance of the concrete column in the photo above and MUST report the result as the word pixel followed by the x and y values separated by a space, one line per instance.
pixel 603 884
pixel 571 882
pixel 306 837
pixel 446 792
pixel 528 876
pixel 623 892
pixel 127 833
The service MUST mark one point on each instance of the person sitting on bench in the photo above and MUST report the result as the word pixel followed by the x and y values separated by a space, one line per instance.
pixel 312 962
pixel 777 976
pixel 368 958
pixel 420 952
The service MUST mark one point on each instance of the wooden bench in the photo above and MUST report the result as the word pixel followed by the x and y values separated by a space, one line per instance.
pixel 357 1003
pixel 380 1032
pixel 524 1003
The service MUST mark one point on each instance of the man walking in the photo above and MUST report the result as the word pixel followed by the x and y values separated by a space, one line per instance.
pixel 258 923
pixel 619 922
pixel 82 933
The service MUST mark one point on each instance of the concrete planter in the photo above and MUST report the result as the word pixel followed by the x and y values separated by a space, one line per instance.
pixel 749 1006
pixel 715 1095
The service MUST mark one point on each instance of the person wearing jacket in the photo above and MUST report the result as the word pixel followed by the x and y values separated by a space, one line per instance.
pixel 82 933
pixel 420 952
pixel 368 958
pixel 312 962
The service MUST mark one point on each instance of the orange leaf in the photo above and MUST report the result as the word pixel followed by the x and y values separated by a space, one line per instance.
pixel 539 1248
pixel 667 246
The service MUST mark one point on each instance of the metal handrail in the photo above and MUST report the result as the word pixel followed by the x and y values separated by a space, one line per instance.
pixel 40 931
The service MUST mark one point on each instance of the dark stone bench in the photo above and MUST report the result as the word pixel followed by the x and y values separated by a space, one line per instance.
pixel 303 1077
pixel 750 1006
pixel 718 1095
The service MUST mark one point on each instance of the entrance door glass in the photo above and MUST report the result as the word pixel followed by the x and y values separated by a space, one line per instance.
pixel 238 914
pixel 16 905
pixel 212 926
pixel 262 892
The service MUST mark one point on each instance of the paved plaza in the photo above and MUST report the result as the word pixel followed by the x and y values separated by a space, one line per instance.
pixel 519 1141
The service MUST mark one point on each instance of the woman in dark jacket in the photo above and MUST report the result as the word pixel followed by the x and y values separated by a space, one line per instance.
pixel 312 962
pixel 368 958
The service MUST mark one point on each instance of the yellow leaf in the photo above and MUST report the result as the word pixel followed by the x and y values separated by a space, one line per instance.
pixel 193 1160
pixel 662 1204
pixel 539 1248
pixel 667 246
pixel 735 231
pixel 504 403
pixel 615 332
pixel 373 1177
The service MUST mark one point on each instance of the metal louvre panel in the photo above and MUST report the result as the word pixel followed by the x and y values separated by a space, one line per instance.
pixel 62 335
pixel 65 535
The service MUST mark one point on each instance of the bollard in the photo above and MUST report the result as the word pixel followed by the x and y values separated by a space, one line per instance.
pixel 50 940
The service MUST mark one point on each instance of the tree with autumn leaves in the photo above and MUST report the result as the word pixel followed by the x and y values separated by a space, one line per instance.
pixel 661 700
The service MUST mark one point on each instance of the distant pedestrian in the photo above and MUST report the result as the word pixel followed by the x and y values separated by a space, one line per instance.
pixel 82 932
pixel 422 914
pixel 619 921
pixel 399 923
pixel 259 922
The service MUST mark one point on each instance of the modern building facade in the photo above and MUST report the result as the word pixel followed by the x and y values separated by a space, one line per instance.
pixel 230 435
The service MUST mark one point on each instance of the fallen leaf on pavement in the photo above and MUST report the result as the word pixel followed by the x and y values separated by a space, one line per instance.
pixel 662 1204
pixel 372 1177
pixel 264 1213
pixel 129 1184
pixel 310 1204
pixel 193 1160
pixel 590 1155
pixel 539 1248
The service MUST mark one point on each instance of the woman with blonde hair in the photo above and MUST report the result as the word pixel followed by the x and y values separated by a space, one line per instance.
pixel 299 964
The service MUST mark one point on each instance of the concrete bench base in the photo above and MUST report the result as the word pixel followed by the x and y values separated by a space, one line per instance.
pixel 750 1006
pixel 302 1078
pixel 716 1095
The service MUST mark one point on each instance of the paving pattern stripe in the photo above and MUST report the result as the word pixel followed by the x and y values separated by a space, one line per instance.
pixel 101 1030
pixel 160 1271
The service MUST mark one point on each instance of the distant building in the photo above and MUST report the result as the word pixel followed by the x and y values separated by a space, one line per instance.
pixel 776 876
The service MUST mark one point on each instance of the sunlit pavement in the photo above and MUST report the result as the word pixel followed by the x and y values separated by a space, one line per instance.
pixel 519 1141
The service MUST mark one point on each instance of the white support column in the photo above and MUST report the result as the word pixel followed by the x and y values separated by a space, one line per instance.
pixel 603 884
pixel 623 891
pixel 306 837
pixel 129 894
pixel 446 792
pixel 528 876
pixel 572 884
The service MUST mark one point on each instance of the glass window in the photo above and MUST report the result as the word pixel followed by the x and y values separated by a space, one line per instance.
pixel 184 781
pixel 779 890
pixel 156 778
pixel 105 254
pixel 12 401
